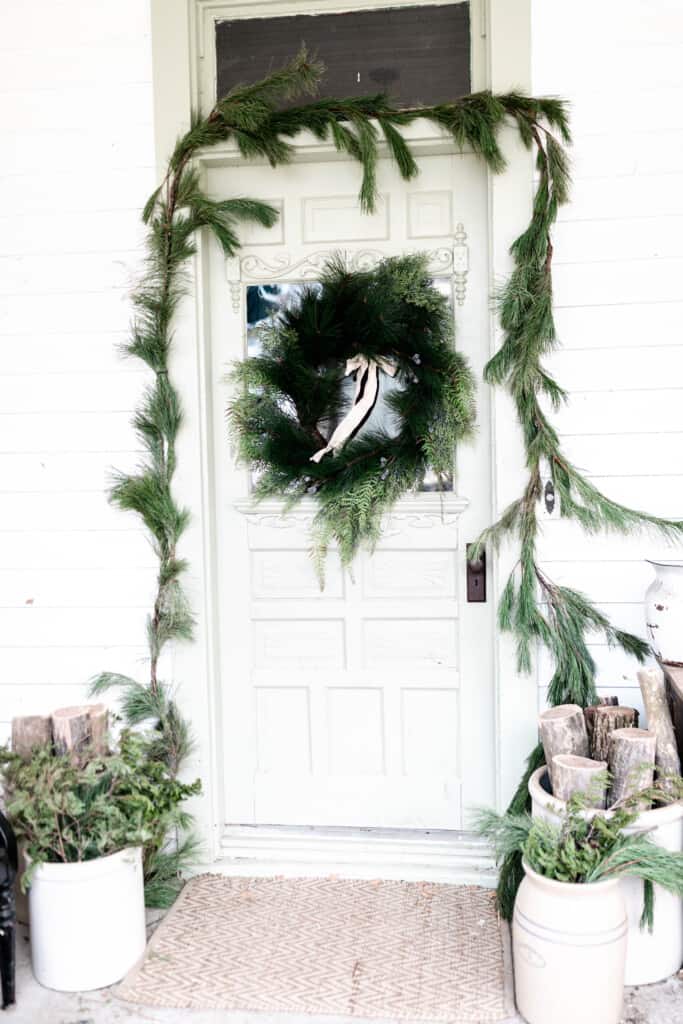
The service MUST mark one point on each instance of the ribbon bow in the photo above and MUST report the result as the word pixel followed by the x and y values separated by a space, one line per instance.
pixel 364 399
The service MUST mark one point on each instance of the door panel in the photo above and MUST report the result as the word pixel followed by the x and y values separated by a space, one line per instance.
pixel 369 703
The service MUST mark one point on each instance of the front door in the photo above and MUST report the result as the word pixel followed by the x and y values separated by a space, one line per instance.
pixel 369 703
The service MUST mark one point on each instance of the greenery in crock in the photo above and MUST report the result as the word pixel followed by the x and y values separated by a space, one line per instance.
pixel 64 810
pixel 581 848
pixel 534 608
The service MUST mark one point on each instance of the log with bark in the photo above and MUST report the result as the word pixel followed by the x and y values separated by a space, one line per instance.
pixel 71 728
pixel 29 732
pixel 674 680
pixel 563 731
pixel 572 774
pixel 589 713
pixel 605 720
pixel 99 729
pixel 653 688
pixel 81 729
pixel 631 762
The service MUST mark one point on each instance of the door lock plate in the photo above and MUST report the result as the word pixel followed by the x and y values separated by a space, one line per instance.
pixel 476 575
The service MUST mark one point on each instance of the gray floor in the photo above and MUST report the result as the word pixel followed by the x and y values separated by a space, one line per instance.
pixel 652 1004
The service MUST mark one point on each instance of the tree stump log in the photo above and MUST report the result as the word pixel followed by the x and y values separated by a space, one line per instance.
pixel 71 728
pixel 631 762
pixel 572 774
pixel 674 680
pixel 99 729
pixel 563 731
pixel 29 732
pixel 653 688
pixel 605 720
pixel 589 713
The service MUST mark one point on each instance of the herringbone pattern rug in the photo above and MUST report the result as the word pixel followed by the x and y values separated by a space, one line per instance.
pixel 413 951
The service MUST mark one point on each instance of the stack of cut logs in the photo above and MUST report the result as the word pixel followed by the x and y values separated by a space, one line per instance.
pixel 75 731
pixel 581 745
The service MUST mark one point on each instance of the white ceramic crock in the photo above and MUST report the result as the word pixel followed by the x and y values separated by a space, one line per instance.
pixel 87 921
pixel 569 949
pixel 651 956
pixel 664 611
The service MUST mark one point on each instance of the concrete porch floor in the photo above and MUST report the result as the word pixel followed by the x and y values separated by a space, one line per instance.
pixel 652 1004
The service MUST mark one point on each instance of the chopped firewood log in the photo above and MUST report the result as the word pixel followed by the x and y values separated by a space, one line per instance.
pixel 71 728
pixel 605 720
pixel 589 713
pixel 99 729
pixel 572 774
pixel 674 679
pixel 653 688
pixel 563 731
pixel 631 762
pixel 29 732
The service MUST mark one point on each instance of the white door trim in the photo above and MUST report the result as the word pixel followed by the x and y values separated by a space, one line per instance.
pixel 177 69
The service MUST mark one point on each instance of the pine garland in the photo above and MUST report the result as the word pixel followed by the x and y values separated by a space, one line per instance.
pixel 391 316
pixel 250 116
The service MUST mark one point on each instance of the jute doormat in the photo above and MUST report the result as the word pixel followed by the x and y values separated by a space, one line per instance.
pixel 413 951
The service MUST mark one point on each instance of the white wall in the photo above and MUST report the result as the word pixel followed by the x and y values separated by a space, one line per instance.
pixel 75 575
pixel 619 286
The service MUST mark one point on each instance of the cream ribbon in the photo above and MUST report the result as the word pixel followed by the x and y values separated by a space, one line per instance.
pixel 367 390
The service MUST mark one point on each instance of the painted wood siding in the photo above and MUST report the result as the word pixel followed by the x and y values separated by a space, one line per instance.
pixel 75 575
pixel 619 287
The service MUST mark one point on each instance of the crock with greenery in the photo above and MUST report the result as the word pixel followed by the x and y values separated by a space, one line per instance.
pixel 585 846
pixel 65 810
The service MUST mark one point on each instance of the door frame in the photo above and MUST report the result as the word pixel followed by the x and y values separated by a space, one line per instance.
pixel 181 69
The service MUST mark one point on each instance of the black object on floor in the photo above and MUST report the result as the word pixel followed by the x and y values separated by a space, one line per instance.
pixel 8 917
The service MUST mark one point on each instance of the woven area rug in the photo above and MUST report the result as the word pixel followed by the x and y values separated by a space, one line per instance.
pixel 413 951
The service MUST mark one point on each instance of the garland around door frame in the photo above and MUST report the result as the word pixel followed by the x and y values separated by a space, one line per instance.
pixel 534 608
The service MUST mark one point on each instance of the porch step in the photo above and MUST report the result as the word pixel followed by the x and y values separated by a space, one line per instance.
pixel 459 858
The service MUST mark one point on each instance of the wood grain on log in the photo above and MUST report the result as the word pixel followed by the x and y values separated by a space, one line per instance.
pixel 71 728
pixel 563 731
pixel 572 774
pixel 674 679
pixel 29 732
pixel 99 729
pixel 653 689
pixel 631 761
pixel 605 720
pixel 589 713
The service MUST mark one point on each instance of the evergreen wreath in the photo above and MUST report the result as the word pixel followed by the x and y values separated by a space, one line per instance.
pixel 296 425
pixel 533 608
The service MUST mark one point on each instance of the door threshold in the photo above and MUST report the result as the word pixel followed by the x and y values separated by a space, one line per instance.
pixel 458 858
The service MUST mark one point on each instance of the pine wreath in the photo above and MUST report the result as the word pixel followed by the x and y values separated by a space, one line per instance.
pixel 297 423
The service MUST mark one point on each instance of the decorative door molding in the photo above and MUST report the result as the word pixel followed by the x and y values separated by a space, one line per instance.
pixel 253 268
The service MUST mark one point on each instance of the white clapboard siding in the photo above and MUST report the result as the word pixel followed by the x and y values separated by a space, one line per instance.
pixel 20 273
pixel 626 452
pixel 60 232
pixel 633 324
pixel 76 575
pixel 597 369
pixel 44 588
pixel 49 472
pixel 75 549
pixel 593 241
pixel 65 431
pixel 618 263
pixel 63 392
pixel 51 352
